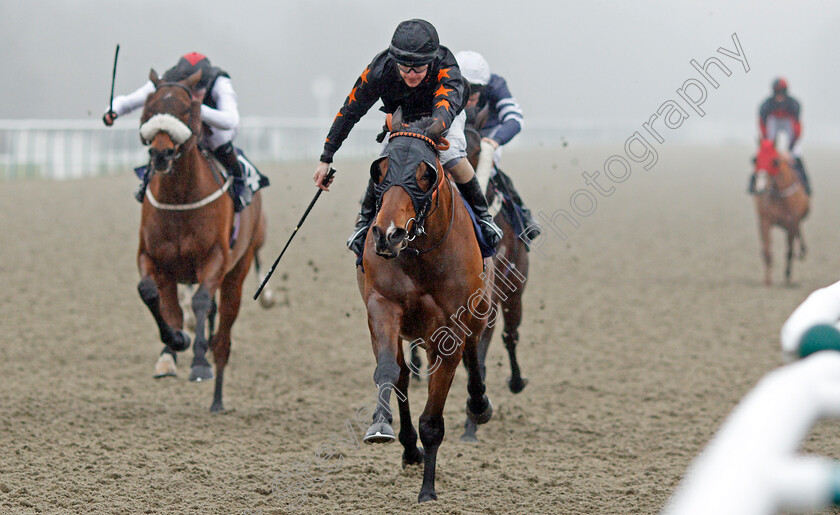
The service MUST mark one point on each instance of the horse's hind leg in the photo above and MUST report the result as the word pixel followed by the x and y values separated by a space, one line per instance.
pixel 267 296
pixel 416 363
pixel 408 435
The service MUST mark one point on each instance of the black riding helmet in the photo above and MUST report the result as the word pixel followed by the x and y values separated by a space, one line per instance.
pixel 187 65
pixel 414 42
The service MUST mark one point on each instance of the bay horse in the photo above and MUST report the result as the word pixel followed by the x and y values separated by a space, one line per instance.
pixel 510 265
pixel 186 228
pixel 780 200
pixel 422 280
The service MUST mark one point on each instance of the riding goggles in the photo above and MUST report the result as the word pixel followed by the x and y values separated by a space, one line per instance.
pixel 416 68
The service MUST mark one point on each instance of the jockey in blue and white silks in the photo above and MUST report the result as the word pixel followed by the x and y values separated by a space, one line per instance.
pixel 504 121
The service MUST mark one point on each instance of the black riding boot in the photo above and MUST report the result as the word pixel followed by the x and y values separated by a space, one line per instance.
pixel 800 169
pixel 532 229
pixel 241 192
pixel 356 241
pixel 471 191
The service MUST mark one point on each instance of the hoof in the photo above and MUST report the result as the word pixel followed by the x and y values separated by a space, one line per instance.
pixel 415 458
pixel 165 366
pixel 180 342
pixel 480 418
pixel 217 407
pixel 427 496
pixel 267 299
pixel 518 385
pixel 200 373
pixel 469 432
pixel 379 432
pixel 469 437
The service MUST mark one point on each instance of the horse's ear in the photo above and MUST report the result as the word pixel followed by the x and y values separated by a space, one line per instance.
pixel 198 95
pixel 378 169
pixel 397 120
pixel 193 79
pixel 153 76
pixel 482 116
pixel 435 131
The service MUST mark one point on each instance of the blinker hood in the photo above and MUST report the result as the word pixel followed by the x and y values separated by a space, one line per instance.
pixel 404 155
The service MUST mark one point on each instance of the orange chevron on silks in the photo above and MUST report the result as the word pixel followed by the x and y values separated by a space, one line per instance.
pixel 443 74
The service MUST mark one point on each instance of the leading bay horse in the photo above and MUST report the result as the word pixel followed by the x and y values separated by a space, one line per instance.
pixel 186 228
pixel 422 280
pixel 780 200
pixel 510 263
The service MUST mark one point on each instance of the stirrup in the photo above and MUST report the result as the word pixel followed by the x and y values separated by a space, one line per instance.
pixel 491 232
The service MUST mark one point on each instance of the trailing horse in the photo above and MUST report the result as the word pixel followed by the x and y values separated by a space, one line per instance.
pixel 510 264
pixel 780 200
pixel 422 280
pixel 189 235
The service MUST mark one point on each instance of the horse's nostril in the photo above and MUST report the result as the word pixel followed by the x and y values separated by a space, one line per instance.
pixel 397 235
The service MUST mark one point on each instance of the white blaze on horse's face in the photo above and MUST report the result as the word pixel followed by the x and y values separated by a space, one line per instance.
pixel 177 130
pixel 761 181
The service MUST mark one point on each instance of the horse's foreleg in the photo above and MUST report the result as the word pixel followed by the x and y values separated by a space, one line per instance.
pixel 408 435
pixel 479 410
pixel 802 250
pixel 512 313
pixel 202 304
pixel 384 323
pixel 791 236
pixel 764 228
pixel 230 299
pixel 432 426
pixel 173 338
pixel 209 277
pixel 470 427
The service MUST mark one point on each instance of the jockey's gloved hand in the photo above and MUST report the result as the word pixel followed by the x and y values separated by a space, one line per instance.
pixel 381 136
pixel 109 117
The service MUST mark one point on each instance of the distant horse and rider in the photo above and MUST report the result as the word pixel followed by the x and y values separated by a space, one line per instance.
pixel 189 233
pixel 421 263
pixel 781 200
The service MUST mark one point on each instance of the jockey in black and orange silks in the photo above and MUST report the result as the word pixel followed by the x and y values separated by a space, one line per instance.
pixel 780 114
pixel 422 77
pixel 220 112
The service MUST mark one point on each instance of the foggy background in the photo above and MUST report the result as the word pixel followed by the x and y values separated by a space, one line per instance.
pixel 597 62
